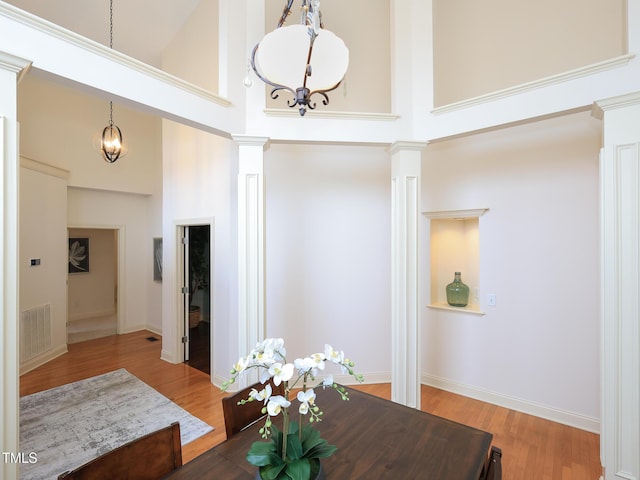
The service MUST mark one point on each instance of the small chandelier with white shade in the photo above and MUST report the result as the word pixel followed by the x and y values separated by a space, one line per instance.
pixel 304 59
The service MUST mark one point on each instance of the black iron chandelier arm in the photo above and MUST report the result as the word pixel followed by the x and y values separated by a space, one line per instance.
pixel 285 13
pixel 276 86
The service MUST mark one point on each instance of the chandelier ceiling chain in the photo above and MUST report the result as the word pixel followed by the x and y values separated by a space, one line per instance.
pixel 305 54
pixel 111 142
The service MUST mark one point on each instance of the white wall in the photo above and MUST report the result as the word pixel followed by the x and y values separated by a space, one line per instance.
pixel 481 47
pixel 199 187
pixel 328 246
pixel 538 347
pixel 58 126
pixel 193 53
pixel 124 194
pixel 92 293
pixel 43 233
pixel 131 214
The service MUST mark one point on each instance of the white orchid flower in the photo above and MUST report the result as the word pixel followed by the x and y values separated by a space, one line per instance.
pixel 310 364
pixel 276 404
pixel 262 395
pixel 264 375
pixel 281 373
pixel 269 351
pixel 303 365
pixel 333 355
pixel 318 359
pixel 241 364
pixel 328 381
pixel 306 398
pixel 266 357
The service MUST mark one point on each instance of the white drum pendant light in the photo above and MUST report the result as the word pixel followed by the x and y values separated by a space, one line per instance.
pixel 304 59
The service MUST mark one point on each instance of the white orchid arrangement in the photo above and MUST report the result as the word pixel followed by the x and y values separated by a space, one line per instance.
pixel 294 455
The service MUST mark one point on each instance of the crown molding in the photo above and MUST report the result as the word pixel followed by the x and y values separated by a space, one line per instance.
pixel 457 214
pixel 41 167
pixel 329 114
pixel 536 84
pixel 67 36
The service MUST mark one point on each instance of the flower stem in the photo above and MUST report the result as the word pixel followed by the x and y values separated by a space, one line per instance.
pixel 304 389
pixel 285 423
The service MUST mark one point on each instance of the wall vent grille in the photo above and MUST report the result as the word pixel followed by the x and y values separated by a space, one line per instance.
pixel 35 332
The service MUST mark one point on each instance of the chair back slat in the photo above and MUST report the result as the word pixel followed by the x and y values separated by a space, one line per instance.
pixel 146 458
pixel 238 417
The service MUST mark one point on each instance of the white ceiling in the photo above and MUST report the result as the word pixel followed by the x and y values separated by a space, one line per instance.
pixel 141 28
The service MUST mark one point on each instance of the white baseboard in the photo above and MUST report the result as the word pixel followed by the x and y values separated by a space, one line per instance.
pixel 167 357
pixel 42 359
pixel 154 330
pixel 369 378
pixel 218 380
pixel 381 377
pixel 572 419
pixel 87 315
pixel 133 328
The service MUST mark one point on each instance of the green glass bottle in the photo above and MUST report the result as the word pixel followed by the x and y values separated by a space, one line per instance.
pixel 457 292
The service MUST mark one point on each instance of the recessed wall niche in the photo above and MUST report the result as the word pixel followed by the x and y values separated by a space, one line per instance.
pixel 454 241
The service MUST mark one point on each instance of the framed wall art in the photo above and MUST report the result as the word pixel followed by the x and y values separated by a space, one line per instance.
pixel 157 259
pixel 78 255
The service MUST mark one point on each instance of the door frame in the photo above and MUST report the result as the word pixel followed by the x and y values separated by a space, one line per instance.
pixel 120 274
pixel 182 318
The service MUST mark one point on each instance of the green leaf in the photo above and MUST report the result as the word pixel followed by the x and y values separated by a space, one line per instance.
pixel 310 438
pixel 298 469
pixel 294 447
pixel 293 427
pixel 313 446
pixel 272 472
pixel 322 451
pixel 263 453
pixel 276 436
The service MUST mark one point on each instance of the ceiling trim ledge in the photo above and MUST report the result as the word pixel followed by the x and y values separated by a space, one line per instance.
pixel 328 114
pixel 536 84
pixel 61 33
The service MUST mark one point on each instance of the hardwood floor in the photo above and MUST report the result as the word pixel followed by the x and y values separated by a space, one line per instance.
pixel 533 448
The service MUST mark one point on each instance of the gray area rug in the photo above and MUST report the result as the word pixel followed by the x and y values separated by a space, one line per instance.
pixel 69 425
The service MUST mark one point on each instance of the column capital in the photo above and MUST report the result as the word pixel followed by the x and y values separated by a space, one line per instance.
pixel 14 64
pixel 406 146
pixel 251 141
pixel 601 106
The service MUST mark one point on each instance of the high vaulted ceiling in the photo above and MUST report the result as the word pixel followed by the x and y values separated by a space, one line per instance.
pixel 142 28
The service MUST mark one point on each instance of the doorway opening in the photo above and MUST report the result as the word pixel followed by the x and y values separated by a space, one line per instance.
pixel 196 241
pixel 92 284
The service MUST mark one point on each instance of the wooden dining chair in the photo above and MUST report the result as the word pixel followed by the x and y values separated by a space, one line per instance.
pixel 494 465
pixel 238 417
pixel 146 458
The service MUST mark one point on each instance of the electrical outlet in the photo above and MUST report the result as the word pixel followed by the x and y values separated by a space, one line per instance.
pixel 491 300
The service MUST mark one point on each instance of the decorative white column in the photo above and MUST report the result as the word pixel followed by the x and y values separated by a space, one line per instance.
pixel 11 70
pixel 620 285
pixel 251 246
pixel 405 210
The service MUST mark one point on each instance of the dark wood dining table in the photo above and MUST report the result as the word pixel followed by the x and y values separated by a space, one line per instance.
pixel 376 439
